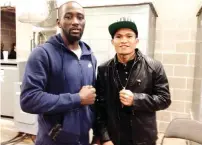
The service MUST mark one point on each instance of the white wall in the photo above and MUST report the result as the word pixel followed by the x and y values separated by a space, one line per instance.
pixel 8 2
pixel 96 31
pixel 23 39
pixel 24 31
pixel 91 3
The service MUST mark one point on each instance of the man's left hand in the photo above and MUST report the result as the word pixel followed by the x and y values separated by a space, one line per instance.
pixel 126 97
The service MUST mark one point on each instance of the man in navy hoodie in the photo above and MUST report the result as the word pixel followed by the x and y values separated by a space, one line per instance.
pixel 58 83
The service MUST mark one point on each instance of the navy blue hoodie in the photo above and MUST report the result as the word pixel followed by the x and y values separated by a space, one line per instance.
pixel 53 78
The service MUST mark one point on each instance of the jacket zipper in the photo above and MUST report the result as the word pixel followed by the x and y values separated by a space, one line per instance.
pixel 82 81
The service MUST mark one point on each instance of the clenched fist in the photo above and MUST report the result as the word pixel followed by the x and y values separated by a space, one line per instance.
pixel 126 97
pixel 87 95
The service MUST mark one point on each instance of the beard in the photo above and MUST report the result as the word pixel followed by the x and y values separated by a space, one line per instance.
pixel 72 38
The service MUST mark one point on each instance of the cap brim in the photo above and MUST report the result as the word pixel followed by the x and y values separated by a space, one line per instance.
pixel 122 24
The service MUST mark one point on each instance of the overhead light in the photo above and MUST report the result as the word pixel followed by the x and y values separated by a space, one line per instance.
pixel 7 4
pixel 32 11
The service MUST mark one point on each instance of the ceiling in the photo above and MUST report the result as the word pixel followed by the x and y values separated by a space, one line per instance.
pixel 8 9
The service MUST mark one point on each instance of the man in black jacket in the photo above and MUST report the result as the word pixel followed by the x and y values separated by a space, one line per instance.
pixel 130 88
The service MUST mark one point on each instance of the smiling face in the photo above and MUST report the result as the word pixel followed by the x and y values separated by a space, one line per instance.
pixel 71 21
pixel 125 41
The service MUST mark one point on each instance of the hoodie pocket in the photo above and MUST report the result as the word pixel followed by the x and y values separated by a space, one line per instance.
pixel 70 131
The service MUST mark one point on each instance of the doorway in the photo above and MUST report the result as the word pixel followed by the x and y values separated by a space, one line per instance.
pixel 8 31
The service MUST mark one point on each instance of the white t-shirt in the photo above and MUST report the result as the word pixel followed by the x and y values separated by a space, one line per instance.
pixel 78 52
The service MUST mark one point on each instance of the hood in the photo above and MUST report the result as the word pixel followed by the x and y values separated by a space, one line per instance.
pixel 58 42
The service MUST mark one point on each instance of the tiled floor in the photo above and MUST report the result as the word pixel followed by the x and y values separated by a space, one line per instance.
pixel 8 131
pixel 171 141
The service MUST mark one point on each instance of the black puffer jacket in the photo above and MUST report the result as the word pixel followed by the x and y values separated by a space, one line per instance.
pixel 149 84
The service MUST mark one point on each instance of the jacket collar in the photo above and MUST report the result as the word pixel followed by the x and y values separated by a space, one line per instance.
pixel 138 56
pixel 86 50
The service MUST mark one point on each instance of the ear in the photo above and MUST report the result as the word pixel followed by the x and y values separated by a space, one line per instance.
pixel 137 40
pixel 58 23
pixel 112 41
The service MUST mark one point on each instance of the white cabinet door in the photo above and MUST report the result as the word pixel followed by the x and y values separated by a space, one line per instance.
pixel 9 75
pixel 25 122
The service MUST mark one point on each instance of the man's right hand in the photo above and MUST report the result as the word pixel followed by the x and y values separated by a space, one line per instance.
pixel 87 95
pixel 108 143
